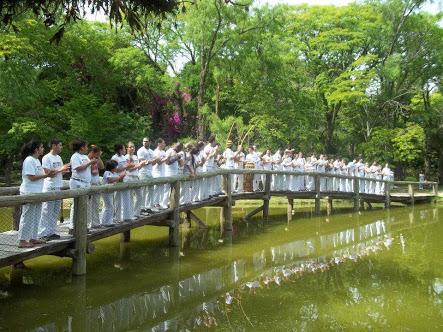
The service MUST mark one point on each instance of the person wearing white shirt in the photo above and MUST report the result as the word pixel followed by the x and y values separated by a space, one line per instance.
pixel 132 209
pixel 188 170
pixel 252 157
pixel 360 172
pixel 321 168
pixel 95 153
pixel 229 159
pixel 110 176
pixel 80 173
pixel 209 153
pixel 197 161
pixel 386 174
pixel 121 213
pixel 145 172
pixel 310 167
pixel 368 176
pixel 336 170
pixel 276 182
pixel 161 192
pixel 286 165
pixel 299 166
pixel 343 171
pixel 351 172
pixel 32 182
pixel 173 160
pixel 51 210
pixel 239 158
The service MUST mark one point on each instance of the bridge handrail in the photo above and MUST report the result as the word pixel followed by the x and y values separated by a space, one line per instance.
pixel 14 200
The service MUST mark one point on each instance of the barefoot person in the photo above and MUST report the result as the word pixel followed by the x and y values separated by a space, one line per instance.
pixel 32 182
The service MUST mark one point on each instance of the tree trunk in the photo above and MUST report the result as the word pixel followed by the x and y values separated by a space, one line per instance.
pixel 201 127
pixel 329 141
pixel 440 167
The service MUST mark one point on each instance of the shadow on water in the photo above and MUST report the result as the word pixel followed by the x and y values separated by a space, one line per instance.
pixel 261 276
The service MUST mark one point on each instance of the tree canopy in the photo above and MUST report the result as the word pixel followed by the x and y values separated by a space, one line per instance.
pixel 362 79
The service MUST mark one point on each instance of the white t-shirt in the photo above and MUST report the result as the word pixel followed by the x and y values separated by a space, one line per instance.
pixel 267 162
pixel 171 169
pixel 121 160
pixel 159 168
pixel 109 175
pixel 240 160
pixel 276 158
pixel 78 159
pixel 209 162
pixel 229 158
pixel 53 163
pixel 134 160
pixel 31 166
pixel 145 154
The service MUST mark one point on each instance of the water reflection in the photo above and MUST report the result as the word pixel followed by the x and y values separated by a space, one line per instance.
pixel 201 299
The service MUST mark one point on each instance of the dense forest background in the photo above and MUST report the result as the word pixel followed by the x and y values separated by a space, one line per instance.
pixel 363 79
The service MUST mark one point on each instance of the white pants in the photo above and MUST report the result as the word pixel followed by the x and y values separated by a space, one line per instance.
pixel 94 202
pixel 49 215
pixel 185 192
pixel 147 192
pixel 108 209
pixel 256 182
pixel 240 182
pixel 29 220
pixel 75 184
pixel 195 190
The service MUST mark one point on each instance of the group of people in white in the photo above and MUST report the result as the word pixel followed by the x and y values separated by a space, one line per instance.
pixel 38 222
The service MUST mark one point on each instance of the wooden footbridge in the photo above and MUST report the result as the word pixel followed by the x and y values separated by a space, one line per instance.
pixel 78 245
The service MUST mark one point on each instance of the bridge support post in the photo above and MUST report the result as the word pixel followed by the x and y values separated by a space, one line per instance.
pixel 317 194
pixel 356 194
pixel 126 236
pixel 411 193
pixel 174 228
pixel 387 195
pixel 226 216
pixel 290 208
pixel 267 197
pixel 80 235
pixel 329 206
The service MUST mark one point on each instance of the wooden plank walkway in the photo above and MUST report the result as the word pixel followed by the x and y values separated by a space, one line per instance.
pixel 69 246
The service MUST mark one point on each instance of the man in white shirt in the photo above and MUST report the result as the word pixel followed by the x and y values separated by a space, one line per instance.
pixel 52 162
pixel 239 158
pixel 161 192
pixel 209 153
pixel 276 166
pixel 229 159
pixel 145 172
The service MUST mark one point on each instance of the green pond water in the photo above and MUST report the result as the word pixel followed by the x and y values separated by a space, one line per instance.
pixel 379 270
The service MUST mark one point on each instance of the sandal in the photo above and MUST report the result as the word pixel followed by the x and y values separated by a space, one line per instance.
pixel 25 244
pixel 37 241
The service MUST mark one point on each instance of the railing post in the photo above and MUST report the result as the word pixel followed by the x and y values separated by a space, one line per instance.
pixel 411 193
pixel 388 194
pixel 226 216
pixel 267 197
pixel 174 228
pixel 356 194
pixel 80 235
pixel 317 194
pixel 329 206
pixel 290 208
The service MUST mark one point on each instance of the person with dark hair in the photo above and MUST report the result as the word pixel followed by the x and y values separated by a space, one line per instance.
pixel 95 153
pixel 32 182
pixel 188 169
pixel 51 210
pixel 80 172
pixel 161 193
pixel 132 209
pixel 146 155
pixel 111 175
pixel 209 153
pixel 197 161
pixel 123 165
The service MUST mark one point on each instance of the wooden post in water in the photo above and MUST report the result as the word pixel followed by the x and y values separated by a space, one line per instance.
pixel 80 235
pixel 226 215
pixel 317 194
pixel 174 228
pixel 125 236
pixel 267 197
pixel 356 194
pixel 290 208
pixel 387 195
pixel 329 206
pixel 411 193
